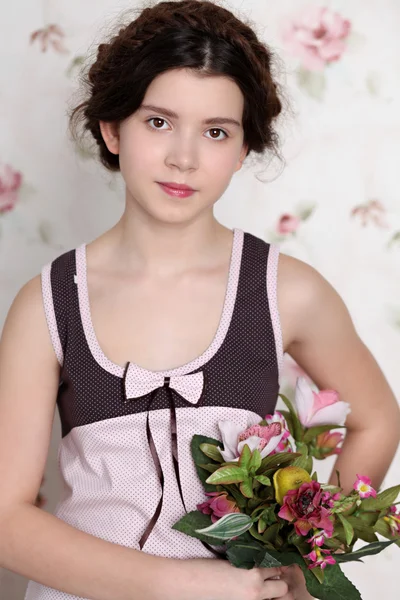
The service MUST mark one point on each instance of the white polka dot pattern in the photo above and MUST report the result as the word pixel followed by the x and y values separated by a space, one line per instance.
pixel 111 489
pixel 111 484
pixel 272 288
pixel 47 295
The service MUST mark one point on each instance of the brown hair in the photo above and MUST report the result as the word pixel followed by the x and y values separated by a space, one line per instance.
pixel 192 34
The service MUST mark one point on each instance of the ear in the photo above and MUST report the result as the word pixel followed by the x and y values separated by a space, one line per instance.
pixel 243 155
pixel 110 134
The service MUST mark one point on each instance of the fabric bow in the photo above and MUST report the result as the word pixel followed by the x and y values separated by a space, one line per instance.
pixel 190 386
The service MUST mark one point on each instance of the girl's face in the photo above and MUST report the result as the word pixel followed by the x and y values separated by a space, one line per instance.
pixel 188 130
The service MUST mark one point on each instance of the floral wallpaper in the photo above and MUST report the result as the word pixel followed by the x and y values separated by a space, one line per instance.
pixel 335 204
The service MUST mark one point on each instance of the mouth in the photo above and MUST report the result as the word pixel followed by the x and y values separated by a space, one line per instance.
pixel 176 186
pixel 177 190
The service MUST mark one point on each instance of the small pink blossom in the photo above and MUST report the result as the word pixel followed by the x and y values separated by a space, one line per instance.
pixel 327 444
pixel 393 520
pixel 219 505
pixel 363 487
pixel 287 443
pixel 10 183
pixel 318 539
pixel 288 224
pixel 318 560
pixel 317 36
pixel 319 408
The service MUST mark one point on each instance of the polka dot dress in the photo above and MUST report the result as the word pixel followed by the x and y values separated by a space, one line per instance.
pixel 111 484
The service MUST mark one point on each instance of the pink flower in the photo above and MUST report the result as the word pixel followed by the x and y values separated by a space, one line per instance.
pixel 52 34
pixel 372 211
pixel 287 443
pixel 322 408
pixel 264 438
pixel 363 487
pixel 288 224
pixel 219 505
pixel 10 182
pixel 393 520
pixel 318 539
pixel 317 35
pixel 305 507
pixel 318 560
pixel 327 444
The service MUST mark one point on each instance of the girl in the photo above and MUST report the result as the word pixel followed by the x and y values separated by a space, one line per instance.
pixel 164 325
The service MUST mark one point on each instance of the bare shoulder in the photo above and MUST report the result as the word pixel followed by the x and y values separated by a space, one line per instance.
pixel 25 330
pixel 309 305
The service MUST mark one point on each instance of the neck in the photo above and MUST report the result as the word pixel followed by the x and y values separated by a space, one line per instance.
pixel 168 248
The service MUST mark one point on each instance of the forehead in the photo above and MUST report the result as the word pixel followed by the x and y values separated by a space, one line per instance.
pixel 196 96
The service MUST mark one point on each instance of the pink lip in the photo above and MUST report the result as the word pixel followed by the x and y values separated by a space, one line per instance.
pixel 182 192
pixel 176 186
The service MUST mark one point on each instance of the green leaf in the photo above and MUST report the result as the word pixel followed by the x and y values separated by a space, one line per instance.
pixel 191 522
pixel 279 460
pixel 228 526
pixel 227 475
pixel 369 550
pixel 265 560
pixel 198 458
pixel 263 479
pixel 344 505
pixel 289 421
pixel 210 467
pixel 212 452
pixel 243 555
pixel 246 487
pixel 335 586
pixel 313 432
pixel 245 457
pixel 297 426
pixel 363 531
pixel 255 461
pixel 240 500
pixel 348 529
pixel 304 462
pixel 383 500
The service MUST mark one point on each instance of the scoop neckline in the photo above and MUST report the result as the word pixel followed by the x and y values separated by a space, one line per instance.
pixel 226 315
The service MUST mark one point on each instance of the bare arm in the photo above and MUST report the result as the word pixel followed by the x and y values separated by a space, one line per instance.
pixel 324 342
pixel 32 542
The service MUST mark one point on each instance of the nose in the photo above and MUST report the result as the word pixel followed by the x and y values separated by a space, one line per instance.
pixel 182 153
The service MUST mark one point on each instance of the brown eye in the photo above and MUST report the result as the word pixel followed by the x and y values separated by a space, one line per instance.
pixel 217 131
pixel 157 121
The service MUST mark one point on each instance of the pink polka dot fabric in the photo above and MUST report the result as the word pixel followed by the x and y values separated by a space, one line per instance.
pixel 111 487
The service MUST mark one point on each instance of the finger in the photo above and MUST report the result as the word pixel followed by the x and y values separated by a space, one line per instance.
pixel 270 572
pixel 274 588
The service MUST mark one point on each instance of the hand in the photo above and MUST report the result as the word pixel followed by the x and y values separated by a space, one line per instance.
pixel 209 579
pixel 297 589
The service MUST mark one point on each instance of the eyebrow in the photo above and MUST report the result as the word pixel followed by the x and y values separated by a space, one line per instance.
pixel 174 115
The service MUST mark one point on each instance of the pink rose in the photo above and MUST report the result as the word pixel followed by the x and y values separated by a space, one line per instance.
pixel 309 508
pixel 10 182
pixel 288 224
pixel 317 36
pixel 219 505
pixel 319 408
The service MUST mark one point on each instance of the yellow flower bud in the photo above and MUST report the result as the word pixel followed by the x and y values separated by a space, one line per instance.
pixel 289 478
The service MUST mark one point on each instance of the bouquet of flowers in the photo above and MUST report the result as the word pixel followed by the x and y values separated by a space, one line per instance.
pixel 266 507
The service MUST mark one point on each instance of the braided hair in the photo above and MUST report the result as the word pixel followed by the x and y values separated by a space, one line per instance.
pixel 194 34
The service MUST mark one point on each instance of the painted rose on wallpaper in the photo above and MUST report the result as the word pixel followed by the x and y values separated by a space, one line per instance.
pixel 316 35
pixel 10 184
pixel 50 36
